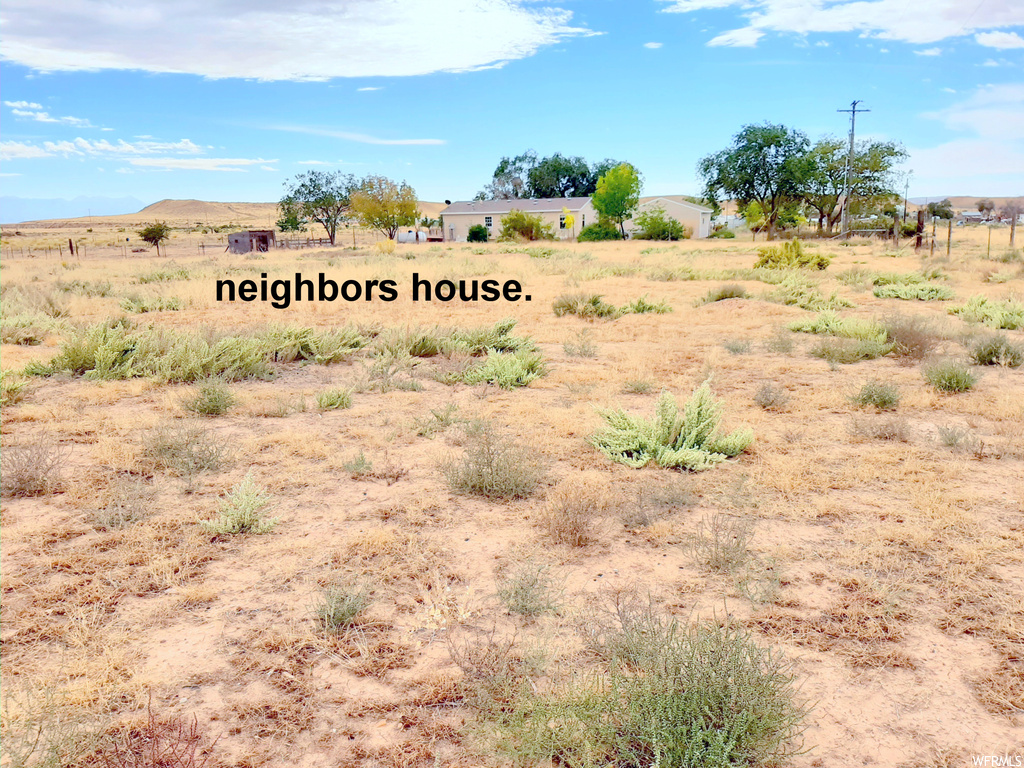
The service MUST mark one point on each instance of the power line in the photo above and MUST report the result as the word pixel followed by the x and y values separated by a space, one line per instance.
pixel 849 164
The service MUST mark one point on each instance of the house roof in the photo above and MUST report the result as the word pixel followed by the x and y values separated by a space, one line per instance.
pixel 676 200
pixel 536 205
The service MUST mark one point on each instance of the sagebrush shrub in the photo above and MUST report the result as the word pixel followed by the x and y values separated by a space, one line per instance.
pixel 507 370
pixel 573 512
pixel 921 292
pixel 950 376
pixel 529 589
pixel 790 255
pixel 33 468
pixel 243 511
pixel 690 440
pixel 877 394
pixel 998 350
pixel 697 696
pixel 586 305
pixel 912 337
pixel 339 606
pixel 1004 315
pixel 212 399
pixel 720 543
pixel 334 399
pixel 494 466
pixel 723 292
pixel 771 397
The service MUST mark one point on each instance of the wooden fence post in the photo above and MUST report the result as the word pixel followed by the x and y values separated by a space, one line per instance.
pixel 949 236
pixel 919 234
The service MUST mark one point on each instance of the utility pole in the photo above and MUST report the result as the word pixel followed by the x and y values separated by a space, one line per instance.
pixel 849 163
pixel 906 191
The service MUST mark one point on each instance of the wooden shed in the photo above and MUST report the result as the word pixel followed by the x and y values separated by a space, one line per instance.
pixel 251 240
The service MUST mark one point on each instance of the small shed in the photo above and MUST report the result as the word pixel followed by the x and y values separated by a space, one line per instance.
pixel 251 240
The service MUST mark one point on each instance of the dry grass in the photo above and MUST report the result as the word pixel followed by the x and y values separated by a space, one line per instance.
pixel 876 553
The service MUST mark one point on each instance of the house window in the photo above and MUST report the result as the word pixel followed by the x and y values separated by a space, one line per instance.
pixel 583 220
pixel 561 222
pixel 488 222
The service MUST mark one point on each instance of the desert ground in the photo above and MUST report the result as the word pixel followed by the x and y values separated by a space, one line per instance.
pixel 436 569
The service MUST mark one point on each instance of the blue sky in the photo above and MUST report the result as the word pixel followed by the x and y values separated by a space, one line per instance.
pixel 226 100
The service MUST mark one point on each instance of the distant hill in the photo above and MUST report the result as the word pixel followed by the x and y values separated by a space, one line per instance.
pixel 182 213
pixel 18 209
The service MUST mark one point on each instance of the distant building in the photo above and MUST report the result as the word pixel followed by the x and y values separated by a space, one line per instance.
pixel 696 217
pixel 251 240
pixel 460 216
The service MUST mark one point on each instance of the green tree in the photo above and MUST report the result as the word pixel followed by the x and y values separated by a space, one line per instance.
pixel 766 163
pixel 291 219
pixel 383 205
pixel 477 234
pixel 655 224
pixel 528 176
pixel 155 233
pixel 872 177
pixel 618 194
pixel 320 196
pixel 941 210
pixel 559 176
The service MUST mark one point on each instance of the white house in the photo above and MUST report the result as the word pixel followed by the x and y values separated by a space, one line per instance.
pixel 696 217
pixel 460 216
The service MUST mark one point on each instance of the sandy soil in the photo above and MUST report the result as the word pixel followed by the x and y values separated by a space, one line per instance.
pixel 899 562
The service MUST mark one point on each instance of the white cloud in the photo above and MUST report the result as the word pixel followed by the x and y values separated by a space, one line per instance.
pixel 929 52
pixel 737 38
pixel 361 138
pixel 949 90
pixel 10 174
pixel 23 105
pixel 267 168
pixel 265 40
pixel 370 88
pixel 884 19
pixel 17 150
pixel 82 146
pixel 45 117
pixel 197 163
pixel 652 46
pixel 992 111
pixel 1000 40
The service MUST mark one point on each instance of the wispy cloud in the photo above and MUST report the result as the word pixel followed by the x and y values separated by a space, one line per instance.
pixel 45 117
pixel 993 111
pixel 652 46
pixel 929 52
pixel 361 138
pixel 198 163
pixel 17 150
pixel 884 19
pixel 23 105
pixel 266 40
pixel 370 88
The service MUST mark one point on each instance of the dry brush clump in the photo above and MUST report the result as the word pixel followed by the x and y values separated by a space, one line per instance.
pixel 664 694
pixel 33 468
pixel 575 510
pixel 493 465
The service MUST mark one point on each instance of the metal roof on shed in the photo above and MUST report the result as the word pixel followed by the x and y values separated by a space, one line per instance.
pixel 535 205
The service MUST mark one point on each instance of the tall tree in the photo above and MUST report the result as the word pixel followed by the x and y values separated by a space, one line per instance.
pixel 766 163
pixel 872 177
pixel 510 179
pixel 154 234
pixel 528 176
pixel 985 206
pixel 320 196
pixel 383 205
pixel 559 176
pixel 618 194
